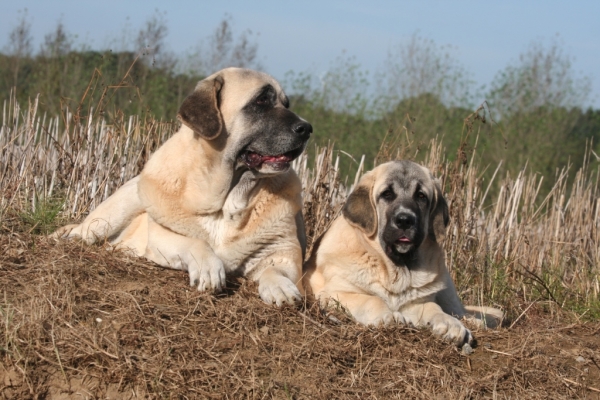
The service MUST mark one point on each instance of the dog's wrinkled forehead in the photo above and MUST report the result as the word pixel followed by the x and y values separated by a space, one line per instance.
pixel 403 177
pixel 243 85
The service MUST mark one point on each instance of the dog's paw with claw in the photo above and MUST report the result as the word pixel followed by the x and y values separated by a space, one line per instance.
pixel 207 274
pixel 450 329
pixel 278 290
pixel 63 232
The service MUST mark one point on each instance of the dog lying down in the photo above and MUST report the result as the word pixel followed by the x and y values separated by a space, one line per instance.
pixel 382 261
pixel 218 197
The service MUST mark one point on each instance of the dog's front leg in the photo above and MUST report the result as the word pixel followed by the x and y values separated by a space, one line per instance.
pixel 366 309
pixel 279 277
pixel 109 219
pixel 172 250
pixel 428 313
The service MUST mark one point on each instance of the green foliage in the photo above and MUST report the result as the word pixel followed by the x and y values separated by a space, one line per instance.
pixel 545 138
pixel 538 103
pixel 109 82
pixel 355 134
pixel 587 127
pixel 425 118
pixel 42 218
pixel 339 107
pixel 145 80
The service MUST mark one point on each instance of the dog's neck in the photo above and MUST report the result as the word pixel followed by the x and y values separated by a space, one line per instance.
pixel 408 260
pixel 243 183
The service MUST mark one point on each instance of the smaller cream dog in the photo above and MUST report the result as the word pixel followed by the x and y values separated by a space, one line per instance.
pixel 382 261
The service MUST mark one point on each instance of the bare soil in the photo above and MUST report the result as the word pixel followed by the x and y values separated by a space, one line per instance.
pixel 80 322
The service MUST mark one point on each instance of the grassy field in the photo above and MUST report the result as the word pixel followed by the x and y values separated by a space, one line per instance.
pixel 82 321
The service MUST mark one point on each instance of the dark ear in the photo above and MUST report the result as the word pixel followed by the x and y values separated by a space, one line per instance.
pixel 439 218
pixel 200 110
pixel 359 209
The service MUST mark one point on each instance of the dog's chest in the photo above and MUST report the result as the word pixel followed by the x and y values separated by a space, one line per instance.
pixel 404 287
pixel 247 230
pixel 222 227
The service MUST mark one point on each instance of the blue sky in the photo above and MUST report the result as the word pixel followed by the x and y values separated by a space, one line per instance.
pixel 308 35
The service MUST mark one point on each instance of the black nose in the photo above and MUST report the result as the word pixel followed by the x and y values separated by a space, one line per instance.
pixel 302 128
pixel 405 220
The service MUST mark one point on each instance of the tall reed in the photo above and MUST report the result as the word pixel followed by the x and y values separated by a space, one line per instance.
pixel 510 250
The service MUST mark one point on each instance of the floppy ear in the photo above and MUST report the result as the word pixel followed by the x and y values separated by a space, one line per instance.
pixel 359 209
pixel 200 110
pixel 439 218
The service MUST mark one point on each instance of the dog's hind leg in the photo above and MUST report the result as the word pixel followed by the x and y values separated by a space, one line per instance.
pixel 486 317
pixel 448 299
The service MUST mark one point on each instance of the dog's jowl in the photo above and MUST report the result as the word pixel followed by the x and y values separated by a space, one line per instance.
pixel 381 259
pixel 219 196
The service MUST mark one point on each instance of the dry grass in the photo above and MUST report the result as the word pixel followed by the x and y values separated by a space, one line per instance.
pixel 85 321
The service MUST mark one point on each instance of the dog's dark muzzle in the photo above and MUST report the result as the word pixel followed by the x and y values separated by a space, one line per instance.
pixel 402 236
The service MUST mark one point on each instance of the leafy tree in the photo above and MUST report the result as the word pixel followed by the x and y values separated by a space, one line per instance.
pixel 424 93
pixel 587 127
pixel 221 50
pixel 19 46
pixel 419 67
pixel 538 102
pixel 338 105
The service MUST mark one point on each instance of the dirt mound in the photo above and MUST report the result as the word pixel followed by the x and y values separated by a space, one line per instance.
pixel 85 322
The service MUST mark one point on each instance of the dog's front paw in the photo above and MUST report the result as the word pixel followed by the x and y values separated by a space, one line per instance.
pixel 207 274
pixel 278 289
pixel 450 329
pixel 63 232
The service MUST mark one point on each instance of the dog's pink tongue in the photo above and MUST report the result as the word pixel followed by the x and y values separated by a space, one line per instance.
pixel 404 239
pixel 255 160
pixel 276 159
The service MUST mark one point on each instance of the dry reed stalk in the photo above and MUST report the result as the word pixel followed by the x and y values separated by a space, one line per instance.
pixel 82 161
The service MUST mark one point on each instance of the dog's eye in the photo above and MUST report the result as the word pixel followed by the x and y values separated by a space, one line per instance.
pixel 421 195
pixel 262 100
pixel 388 195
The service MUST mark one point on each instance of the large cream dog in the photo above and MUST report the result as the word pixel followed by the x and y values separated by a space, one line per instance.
pixel 381 258
pixel 219 196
